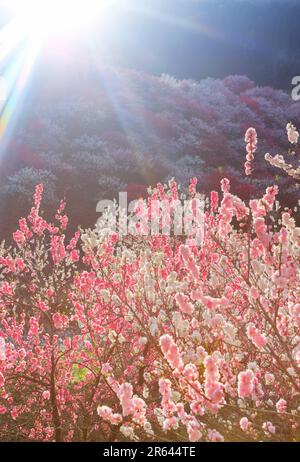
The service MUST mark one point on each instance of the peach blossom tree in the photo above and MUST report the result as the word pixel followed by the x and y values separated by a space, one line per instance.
pixel 150 338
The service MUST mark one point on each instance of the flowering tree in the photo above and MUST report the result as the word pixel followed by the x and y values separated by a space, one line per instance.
pixel 117 338
pixel 136 128
pixel 279 161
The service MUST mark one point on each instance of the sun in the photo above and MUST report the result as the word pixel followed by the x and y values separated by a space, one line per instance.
pixel 43 19
pixel 33 27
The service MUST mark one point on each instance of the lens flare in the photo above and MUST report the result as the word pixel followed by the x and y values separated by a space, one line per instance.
pixel 33 24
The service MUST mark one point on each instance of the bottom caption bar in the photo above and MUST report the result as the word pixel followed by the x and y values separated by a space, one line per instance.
pixel 138 451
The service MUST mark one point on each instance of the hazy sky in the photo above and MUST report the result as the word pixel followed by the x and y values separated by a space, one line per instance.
pixel 201 38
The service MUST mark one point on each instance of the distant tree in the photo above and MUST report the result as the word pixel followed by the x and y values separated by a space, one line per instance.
pixel 141 129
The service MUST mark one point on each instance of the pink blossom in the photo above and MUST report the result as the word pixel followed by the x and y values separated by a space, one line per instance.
pixel 281 406
pixel 125 394
pixel 192 186
pixel 214 200
pixel 58 250
pixel 213 388
pixel 244 423
pixel 261 231
pixel 245 383
pixel 74 256
pixel 38 195
pixel 190 372
pixel 258 339
pixel 215 436
pixel 171 351
pixel 251 140
pixel 19 237
pixel 139 409
pixel 20 264
pixel 184 304
pixel 189 260
pixel 269 378
pixel 2 349
pixel 254 292
pixel 166 392
pixel 295 312
pixel 33 326
pixel 43 306
pixel 269 427
pixel 194 434
pixel 201 353
pixel 292 133
pixel 106 369
pixel 270 196
pixel 60 321
pixel 46 394
pixel 225 185
pixel 170 423
pixel 107 414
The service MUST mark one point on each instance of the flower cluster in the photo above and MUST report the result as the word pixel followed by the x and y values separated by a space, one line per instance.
pixel 251 140
pixel 279 161
pixel 118 338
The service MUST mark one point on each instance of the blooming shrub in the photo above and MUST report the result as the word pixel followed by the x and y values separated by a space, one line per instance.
pixel 117 338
